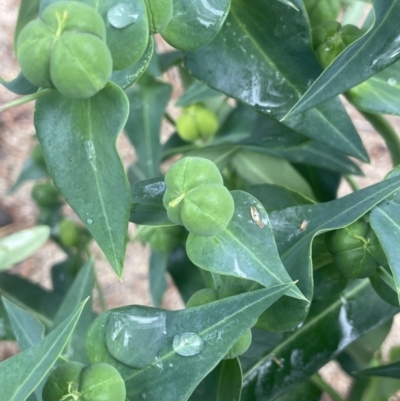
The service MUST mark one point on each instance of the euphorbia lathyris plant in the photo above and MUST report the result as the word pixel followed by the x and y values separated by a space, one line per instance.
pixel 278 275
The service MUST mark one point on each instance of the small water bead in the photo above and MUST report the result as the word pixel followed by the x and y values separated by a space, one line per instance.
pixel 155 189
pixel 392 81
pixel 188 344
pixel 122 15
pixel 89 221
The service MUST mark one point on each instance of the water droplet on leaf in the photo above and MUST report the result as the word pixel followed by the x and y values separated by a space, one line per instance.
pixel 122 15
pixel 392 81
pixel 188 344
pixel 155 189
pixel 89 221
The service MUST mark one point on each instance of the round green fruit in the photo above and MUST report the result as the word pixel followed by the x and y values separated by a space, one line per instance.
pixel 202 297
pixel 196 122
pixel 74 381
pixel 159 13
pixel 70 233
pixel 66 49
pixel 45 195
pixel 37 155
pixel 241 345
pixel 347 238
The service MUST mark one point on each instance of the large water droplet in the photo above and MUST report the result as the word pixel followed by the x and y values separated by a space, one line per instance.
pixel 155 189
pixel 392 81
pixel 188 344
pixel 136 338
pixel 122 15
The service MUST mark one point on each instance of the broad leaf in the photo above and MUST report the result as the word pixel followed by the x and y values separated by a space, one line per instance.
pixel 20 85
pixel 277 362
pixel 148 101
pixel 157 276
pixel 390 370
pixel 380 94
pixel 245 249
pixel 80 290
pixel 152 342
pixel 147 203
pixel 195 23
pixel 17 247
pixel 376 50
pixel 268 64
pixel 21 374
pixel 128 76
pixel 196 93
pixel 296 227
pixel 385 221
pixel 78 138
pixel 224 383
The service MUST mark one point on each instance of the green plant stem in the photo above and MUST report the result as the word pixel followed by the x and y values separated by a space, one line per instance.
pixel 389 135
pixel 324 386
pixel 25 99
pixel 169 119
pixel 102 298
pixel 353 185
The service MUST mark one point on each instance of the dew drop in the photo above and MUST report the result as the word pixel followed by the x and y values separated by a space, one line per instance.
pixel 155 189
pixel 144 396
pixel 89 221
pixel 188 344
pixel 392 81
pixel 122 15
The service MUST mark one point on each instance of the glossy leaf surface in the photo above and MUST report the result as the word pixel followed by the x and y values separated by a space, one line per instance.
pixel 18 246
pixel 195 23
pixel 390 370
pixel 268 64
pixel 78 138
pixel 379 94
pixel 21 374
pixel 288 359
pixel 224 383
pixel 128 76
pixel 150 333
pixel 245 249
pixel 147 203
pixel 376 50
pixel 148 101
pixel 385 221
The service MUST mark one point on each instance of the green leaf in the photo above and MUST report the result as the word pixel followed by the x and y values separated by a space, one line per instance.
pixel 119 41
pixel 194 24
pixel 385 221
pixel 296 227
pixel 28 330
pixel 17 247
pixel 148 101
pixel 376 50
pixel 224 383
pixel 144 336
pixel 80 290
pixel 128 76
pixel 268 64
pixel 245 249
pixel 380 94
pixel 195 94
pixel 28 11
pixel 21 374
pixel 257 168
pixel 390 370
pixel 20 85
pixel 275 363
pixel 78 137
pixel 147 206
pixel 322 10
pixel 157 276
pixel 305 391
pixel 6 330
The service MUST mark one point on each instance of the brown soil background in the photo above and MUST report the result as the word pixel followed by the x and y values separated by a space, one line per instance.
pixel 16 142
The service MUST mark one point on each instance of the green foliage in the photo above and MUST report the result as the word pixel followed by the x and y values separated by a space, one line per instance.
pixel 238 205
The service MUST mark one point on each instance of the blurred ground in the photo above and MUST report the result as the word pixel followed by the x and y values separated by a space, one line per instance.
pixel 16 141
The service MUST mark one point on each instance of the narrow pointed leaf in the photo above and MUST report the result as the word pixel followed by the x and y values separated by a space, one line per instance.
pixel 275 363
pixel 143 127
pixel 19 85
pixel 78 137
pixel 376 50
pixel 224 383
pixel 380 94
pixel 268 64
pixel 157 276
pixel 80 290
pixel 128 76
pixel 195 23
pixel 390 370
pixel 244 249
pixel 385 221
pixel 21 374
pixel 217 326
pixel 6 330
pixel 18 246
